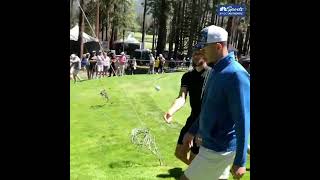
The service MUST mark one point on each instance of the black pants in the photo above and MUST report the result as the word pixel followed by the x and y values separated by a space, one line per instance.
pixel 131 70
pixel 112 70
pixel 194 149
pixel 161 68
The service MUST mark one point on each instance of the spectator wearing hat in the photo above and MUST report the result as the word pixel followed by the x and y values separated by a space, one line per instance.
pixel 188 63
pixel 172 65
pixel 224 121
pixel 184 63
pixel 162 62
pixel 75 67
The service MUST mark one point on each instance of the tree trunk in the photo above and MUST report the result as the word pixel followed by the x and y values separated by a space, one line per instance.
pixel 217 20
pixel 153 36
pixel 181 37
pixel 101 26
pixel 111 37
pixel 206 14
pixel 240 43
pixel 123 32
pixel 229 26
pixel 161 44
pixel 81 29
pixel 222 18
pixel 178 31
pixel 213 15
pixel 108 30
pixel 193 24
pixel 173 28
pixel 156 40
pixel 97 20
pixel 245 47
pixel 201 15
pixel 235 30
pixel 171 42
pixel 113 29
pixel 143 23
pixel 115 34
pixel 236 37
pixel 102 31
pixel 233 36
pixel 71 13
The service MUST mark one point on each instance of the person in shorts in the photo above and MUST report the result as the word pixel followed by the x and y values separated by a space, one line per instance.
pixel 106 64
pixel 100 60
pixel 191 84
pixel 93 62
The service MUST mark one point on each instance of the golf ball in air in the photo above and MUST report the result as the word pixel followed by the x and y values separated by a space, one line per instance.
pixel 157 88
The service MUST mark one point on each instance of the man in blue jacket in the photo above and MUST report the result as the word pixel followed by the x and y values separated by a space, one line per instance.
pixel 224 120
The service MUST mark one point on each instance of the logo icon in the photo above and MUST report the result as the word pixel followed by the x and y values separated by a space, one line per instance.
pixel 223 9
pixel 231 10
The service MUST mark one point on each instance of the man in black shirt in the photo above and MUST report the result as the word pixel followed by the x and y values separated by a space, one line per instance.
pixel 191 82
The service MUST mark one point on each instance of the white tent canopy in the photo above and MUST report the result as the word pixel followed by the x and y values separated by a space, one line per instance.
pixel 74 34
pixel 130 39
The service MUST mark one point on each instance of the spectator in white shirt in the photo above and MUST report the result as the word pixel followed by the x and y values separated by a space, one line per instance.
pixel 75 67
pixel 100 60
pixel 106 64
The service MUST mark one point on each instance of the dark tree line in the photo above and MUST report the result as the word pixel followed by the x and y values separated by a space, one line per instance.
pixel 178 23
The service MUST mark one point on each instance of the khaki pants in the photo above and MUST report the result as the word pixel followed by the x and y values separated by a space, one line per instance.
pixel 209 165
pixel 121 70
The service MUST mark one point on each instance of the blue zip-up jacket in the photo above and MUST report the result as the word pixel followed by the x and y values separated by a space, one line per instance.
pixel 224 121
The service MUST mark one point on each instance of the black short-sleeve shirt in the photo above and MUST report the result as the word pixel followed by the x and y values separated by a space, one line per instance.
pixel 193 81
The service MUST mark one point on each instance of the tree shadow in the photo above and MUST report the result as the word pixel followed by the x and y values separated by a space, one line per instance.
pixel 175 173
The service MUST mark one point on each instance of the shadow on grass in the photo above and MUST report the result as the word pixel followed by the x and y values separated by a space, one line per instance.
pixel 173 173
pixel 83 80
pixel 97 106
pixel 123 164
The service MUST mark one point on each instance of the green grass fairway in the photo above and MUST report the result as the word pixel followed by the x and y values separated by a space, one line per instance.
pixel 100 132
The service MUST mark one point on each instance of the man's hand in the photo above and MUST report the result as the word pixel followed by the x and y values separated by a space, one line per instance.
pixel 188 139
pixel 167 117
pixel 237 171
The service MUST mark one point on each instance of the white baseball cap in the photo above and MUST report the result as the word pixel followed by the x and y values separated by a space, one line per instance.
pixel 122 53
pixel 211 34
pixel 73 56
